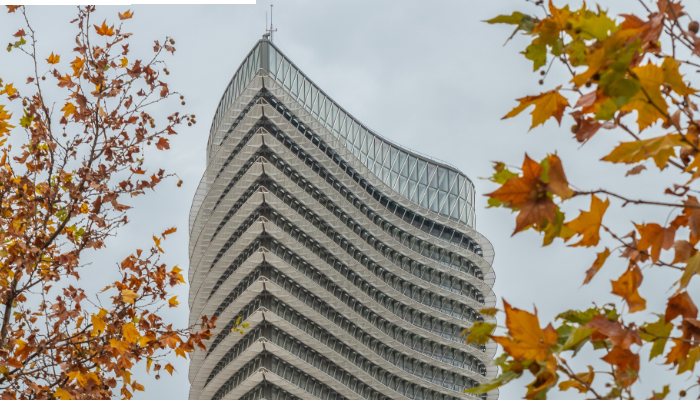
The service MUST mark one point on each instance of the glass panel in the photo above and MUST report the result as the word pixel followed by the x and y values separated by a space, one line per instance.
pixel 402 162
pixel 442 179
pixel 422 175
pixel 431 199
pixel 394 159
pixel 413 171
pixel 422 197
pixel 273 60
pixel 454 184
pixel 431 176
pixel 412 193
pixel 402 185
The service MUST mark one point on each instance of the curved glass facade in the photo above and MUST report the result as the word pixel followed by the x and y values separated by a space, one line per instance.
pixel 353 260
pixel 430 183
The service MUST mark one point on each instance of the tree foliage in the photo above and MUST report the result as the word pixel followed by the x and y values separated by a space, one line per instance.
pixel 627 74
pixel 64 178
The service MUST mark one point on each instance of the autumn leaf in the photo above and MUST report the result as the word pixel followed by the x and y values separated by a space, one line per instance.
pixel 131 334
pixel 20 33
pixel 173 302
pixel 597 265
pixel 68 109
pixel 658 334
pixel 123 63
pixel 623 359
pixel 11 9
pixel 169 231
pixel 98 325
pixel 586 377
pixel 626 287
pixel 656 237
pixel 61 393
pixel 9 89
pixel 162 144
pixel 53 59
pixel 660 148
pixel 588 223
pixel 648 102
pixel 673 78
pixel 547 105
pixel 77 65
pixel 128 296
pixel 556 178
pixel 527 340
pixel 127 15
pixel 692 267
pixel 680 304
pixel 480 332
pixel 169 368
pixel 517 190
pixel 104 30
pixel 157 242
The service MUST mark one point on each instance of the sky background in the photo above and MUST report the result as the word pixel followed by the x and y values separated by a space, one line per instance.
pixel 428 75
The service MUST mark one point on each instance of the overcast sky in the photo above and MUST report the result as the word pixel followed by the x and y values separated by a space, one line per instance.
pixel 428 75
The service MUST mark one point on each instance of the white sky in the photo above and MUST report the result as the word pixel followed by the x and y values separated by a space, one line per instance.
pixel 428 75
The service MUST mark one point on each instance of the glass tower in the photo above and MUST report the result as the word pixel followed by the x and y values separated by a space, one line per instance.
pixel 354 260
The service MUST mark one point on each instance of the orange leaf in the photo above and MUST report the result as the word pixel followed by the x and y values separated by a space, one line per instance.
pixel 104 30
pixel 127 15
pixel 162 144
pixel 169 368
pixel 169 231
pixel 53 59
pixel 130 332
pixel 534 212
pixel 11 9
pixel 77 65
pixel 623 359
pixel 68 109
pixel 656 237
pixel 61 393
pixel 588 223
pixel 558 184
pixel 527 340
pixel 597 265
pixel 173 301
pixel 626 287
pixel 516 191
pixel 547 105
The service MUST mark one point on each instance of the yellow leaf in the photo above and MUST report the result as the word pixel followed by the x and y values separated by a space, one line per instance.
pixel 137 386
pixel 119 345
pixel 149 361
pixel 79 322
pixel 181 352
pixel 104 30
pixel 673 78
pixel 98 325
pixel 527 339
pixel 80 378
pixel 660 148
pixel 124 62
pixel 53 59
pixel 102 312
pixel 547 105
pixel 129 296
pixel 68 109
pixel 169 368
pixel 128 14
pixel 77 65
pixel 626 287
pixel 130 332
pixel 60 393
pixel 173 301
pixel 587 224
pixel 595 60
pixel 9 90
pixel 648 102
pixel 157 241
pixel 143 341
pixel 126 375
pixel 84 208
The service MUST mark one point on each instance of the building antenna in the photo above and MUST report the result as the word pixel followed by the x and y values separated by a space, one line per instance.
pixel 272 29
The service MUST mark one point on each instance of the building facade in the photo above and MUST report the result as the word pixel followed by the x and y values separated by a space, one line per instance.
pixel 354 261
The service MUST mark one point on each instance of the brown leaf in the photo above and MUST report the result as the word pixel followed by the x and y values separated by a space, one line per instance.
pixel 680 304
pixel 684 250
pixel 636 170
pixel 626 287
pixel 613 330
pixel 597 265
pixel 20 33
pixel 656 237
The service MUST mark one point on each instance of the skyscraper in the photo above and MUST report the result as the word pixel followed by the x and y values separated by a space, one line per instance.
pixel 354 260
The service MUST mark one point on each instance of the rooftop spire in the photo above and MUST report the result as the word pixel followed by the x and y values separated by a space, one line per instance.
pixel 269 32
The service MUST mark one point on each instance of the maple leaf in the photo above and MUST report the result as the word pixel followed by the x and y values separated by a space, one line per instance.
pixel 169 368
pixel 597 265
pixel 626 287
pixel 127 15
pixel 128 296
pixel 673 78
pixel 162 144
pixel 68 109
pixel 77 65
pixel 53 59
pixel 660 148
pixel 656 237
pixel 547 105
pixel 98 325
pixel 623 359
pixel 588 223
pixel 169 231
pixel 692 267
pixel 20 33
pixel 11 9
pixel 586 377
pixel 680 304
pixel 157 241
pixel 648 102
pixel 131 334
pixel 527 341
pixel 517 190
pixel 61 393
pixel 9 89
pixel 4 125
pixel 104 30
pixel 123 63
pixel 657 333
pixel 173 302
pixel 65 81
pixel 556 178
